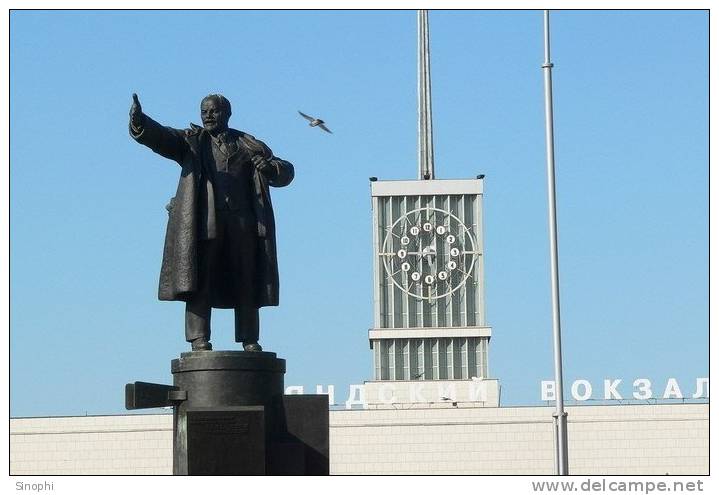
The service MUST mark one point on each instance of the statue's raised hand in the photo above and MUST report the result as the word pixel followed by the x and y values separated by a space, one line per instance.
pixel 136 112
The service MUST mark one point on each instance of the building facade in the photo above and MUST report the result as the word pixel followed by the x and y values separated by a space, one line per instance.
pixel 654 439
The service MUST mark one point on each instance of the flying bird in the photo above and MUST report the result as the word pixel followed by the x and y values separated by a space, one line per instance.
pixel 315 122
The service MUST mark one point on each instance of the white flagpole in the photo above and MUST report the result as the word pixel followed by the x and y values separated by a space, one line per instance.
pixel 560 417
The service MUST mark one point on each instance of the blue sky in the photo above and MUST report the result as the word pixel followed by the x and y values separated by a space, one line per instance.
pixel 87 203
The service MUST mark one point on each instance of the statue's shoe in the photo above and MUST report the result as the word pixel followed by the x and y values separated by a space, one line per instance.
pixel 252 347
pixel 201 345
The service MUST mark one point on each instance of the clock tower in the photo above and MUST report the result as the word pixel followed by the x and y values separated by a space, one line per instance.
pixel 429 331
pixel 429 339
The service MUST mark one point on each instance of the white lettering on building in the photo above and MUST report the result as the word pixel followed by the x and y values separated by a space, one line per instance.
pixel 549 391
pixel 642 389
pixel 415 392
pixel 610 389
pixel 330 392
pixel 672 390
pixel 478 390
pixel 386 393
pixel 581 390
pixel 587 390
pixel 702 388
pixel 356 397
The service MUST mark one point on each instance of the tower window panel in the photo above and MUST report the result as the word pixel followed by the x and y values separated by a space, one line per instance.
pixel 444 363
pixel 392 359
pixel 456 359
pixel 404 357
pixel 427 352
pixel 484 343
pixel 472 357
pixel 414 359
pixel 376 362
pixel 384 359
pixel 436 360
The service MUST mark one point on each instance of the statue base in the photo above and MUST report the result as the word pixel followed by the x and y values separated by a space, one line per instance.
pixel 231 416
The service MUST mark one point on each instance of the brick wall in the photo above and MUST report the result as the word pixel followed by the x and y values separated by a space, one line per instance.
pixel 621 439
pixel 132 444
pixel 627 439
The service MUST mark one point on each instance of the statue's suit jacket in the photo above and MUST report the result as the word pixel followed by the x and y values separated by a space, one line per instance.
pixel 192 210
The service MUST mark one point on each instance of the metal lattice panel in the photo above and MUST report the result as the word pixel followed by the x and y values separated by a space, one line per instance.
pixel 430 359
pixel 429 319
pixel 428 259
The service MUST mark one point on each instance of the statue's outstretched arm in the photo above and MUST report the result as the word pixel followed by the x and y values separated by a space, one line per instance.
pixel 165 141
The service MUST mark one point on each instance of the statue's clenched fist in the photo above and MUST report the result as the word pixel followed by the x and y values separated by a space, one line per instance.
pixel 261 163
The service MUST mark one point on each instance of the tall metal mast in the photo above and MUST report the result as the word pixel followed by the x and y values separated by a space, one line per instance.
pixel 560 417
pixel 424 99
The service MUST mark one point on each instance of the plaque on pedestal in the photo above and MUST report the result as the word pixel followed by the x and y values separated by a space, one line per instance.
pixel 228 441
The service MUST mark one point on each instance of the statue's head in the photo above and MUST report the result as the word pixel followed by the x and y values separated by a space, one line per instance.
pixel 215 111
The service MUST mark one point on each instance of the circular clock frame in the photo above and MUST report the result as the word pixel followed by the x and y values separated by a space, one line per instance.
pixel 429 253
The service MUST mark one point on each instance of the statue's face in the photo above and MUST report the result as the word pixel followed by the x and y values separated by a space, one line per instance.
pixel 214 116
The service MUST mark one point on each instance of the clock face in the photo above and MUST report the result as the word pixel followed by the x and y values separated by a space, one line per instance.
pixel 429 253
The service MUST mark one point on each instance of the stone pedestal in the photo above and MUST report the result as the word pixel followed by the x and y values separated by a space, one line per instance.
pixel 231 417
pixel 231 407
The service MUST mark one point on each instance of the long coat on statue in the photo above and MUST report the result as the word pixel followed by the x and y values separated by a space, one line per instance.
pixel 192 210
